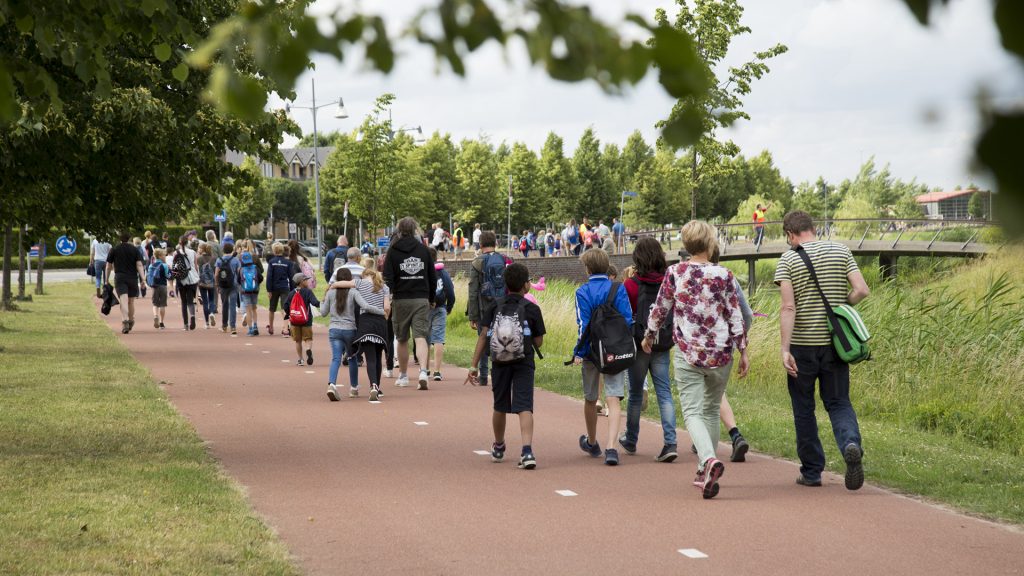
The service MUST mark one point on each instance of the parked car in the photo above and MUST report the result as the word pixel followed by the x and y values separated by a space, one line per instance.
pixel 306 249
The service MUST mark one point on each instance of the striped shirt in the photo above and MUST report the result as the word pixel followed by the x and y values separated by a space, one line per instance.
pixel 374 299
pixel 833 263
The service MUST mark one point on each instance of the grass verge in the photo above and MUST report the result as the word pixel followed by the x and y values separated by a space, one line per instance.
pixel 98 473
pixel 939 405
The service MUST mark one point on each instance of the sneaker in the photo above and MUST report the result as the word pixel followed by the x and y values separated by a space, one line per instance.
pixel 156 322
pixel 234 332
pixel 527 461
pixel 611 457
pixel 387 374
pixel 402 381
pixel 437 376
pixel 286 332
pixel 713 470
pixel 192 323
pixel 224 329
pixel 593 449
pixel 668 453
pixel 852 454
pixel 161 325
pixel 599 407
pixel 332 393
pixel 353 393
pixel 299 362
pixel 497 452
pixel 629 447
pixel 805 481
pixel 309 356
pixel 212 320
pixel 270 330
pixel 739 449
pixel 124 327
pixel 374 394
pixel 131 325
pixel 423 380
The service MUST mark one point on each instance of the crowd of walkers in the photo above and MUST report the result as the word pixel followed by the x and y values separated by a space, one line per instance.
pixel 691 315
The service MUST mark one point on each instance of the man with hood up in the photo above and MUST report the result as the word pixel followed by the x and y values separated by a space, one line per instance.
pixel 410 275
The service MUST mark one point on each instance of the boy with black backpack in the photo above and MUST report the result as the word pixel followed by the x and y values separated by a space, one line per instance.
pixel 510 331
pixel 486 287
pixel 156 278
pixel 605 346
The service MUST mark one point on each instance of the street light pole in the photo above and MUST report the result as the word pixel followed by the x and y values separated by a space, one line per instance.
pixel 316 177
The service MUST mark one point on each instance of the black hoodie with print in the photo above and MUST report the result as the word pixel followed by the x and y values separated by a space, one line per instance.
pixel 409 270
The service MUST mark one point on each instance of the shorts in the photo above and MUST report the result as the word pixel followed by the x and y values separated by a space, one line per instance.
pixel 249 299
pixel 302 333
pixel 127 287
pixel 438 323
pixel 614 384
pixel 513 387
pixel 275 297
pixel 414 315
pixel 160 296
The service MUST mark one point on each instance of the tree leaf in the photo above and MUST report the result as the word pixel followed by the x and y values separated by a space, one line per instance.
pixel 162 51
pixel 25 24
pixel 180 72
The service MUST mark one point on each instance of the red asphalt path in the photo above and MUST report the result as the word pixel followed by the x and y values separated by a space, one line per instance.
pixel 359 488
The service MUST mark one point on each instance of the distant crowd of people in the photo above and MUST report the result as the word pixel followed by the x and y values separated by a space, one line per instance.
pixel 692 315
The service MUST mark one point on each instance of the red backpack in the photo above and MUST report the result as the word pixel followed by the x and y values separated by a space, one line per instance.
pixel 298 312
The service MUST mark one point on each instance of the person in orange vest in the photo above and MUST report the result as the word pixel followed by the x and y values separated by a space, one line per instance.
pixel 760 215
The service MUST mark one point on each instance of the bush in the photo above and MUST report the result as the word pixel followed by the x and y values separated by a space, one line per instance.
pixel 65 262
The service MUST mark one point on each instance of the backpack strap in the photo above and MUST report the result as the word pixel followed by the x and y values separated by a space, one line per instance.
pixel 612 293
pixel 832 319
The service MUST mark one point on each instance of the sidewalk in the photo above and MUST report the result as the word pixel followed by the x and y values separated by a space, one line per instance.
pixel 406 486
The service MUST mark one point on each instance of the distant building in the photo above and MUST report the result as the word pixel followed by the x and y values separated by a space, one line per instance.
pixel 298 162
pixel 952 205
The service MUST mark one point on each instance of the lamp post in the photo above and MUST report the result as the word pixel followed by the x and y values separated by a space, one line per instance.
pixel 339 113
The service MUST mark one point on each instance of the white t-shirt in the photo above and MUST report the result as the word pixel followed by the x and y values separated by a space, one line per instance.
pixel 193 272
pixel 438 237
pixel 476 236
pixel 100 250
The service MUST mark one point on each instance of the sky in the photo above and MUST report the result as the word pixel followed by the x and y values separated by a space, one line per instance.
pixel 861 78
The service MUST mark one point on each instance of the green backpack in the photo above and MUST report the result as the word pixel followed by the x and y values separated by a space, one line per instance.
pixel 849 334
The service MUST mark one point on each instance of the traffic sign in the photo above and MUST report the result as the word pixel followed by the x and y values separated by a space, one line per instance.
pixel 629 193
pixel 383 242
pixel 222 217
pixel 292 228
pixel 66 246
pixel 34 251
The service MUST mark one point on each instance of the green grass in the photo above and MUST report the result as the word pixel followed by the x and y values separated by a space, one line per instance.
pixel 940 404
pixel 98 473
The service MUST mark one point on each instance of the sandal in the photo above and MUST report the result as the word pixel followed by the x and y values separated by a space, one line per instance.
pixel 270 330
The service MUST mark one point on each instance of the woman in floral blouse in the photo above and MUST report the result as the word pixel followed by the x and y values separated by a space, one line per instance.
pixel 708 326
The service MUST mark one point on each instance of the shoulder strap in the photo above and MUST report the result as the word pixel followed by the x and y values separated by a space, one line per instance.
pixel 832 320
pixel 612 293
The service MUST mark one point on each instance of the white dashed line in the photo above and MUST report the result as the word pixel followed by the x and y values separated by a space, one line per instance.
pixel 566 493
pixel 692 553
pixel 420 423
pixel 310 372
pixel 286 361
pixel 374 401
pixel 248 343
pixel 266 351
pixel 482 452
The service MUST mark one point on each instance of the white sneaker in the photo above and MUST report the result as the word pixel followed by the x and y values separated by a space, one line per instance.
pixel 387 374
pixel 402 381
pixel 332 393
pixel 423 379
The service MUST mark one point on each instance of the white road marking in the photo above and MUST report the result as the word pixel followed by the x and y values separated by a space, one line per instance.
pixel 266 351
pixel 420 423
pixel 374 401
pixel 310 372
pixel 692 553
pixel 482 452
pixel 286 361
pixel 248 343
pixel 566 493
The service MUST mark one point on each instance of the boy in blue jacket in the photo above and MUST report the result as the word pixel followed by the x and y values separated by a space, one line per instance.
pixel 588 297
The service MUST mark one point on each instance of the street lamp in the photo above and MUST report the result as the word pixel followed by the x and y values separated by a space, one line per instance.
pixel 340 112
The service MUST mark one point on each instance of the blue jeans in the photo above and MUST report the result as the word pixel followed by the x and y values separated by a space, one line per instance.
pixel 209 302
pixel 657 365
pixel 228 307
pixel 100 266
pixel 759 235
pixel 482 367
pixel 819 364
pixel 341 344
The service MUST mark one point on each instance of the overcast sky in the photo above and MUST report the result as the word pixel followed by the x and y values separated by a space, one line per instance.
pixel 861 78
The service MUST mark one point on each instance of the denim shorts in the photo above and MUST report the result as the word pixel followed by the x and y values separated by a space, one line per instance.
pixel 438 323
pixel 249 299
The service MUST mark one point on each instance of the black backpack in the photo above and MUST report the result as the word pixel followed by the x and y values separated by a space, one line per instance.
pixel 509 333
pixel 646 297
pixel 612 348
pixel 225 279
pixel 179 265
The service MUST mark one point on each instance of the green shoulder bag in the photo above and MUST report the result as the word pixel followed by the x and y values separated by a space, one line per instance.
pixel 849 334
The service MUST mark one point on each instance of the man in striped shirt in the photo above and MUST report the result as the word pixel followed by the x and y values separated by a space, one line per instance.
pixel 807 352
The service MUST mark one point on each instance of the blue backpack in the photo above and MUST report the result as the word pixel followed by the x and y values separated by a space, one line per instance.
pixel 492 286
pixel 151 274
pixel 250 279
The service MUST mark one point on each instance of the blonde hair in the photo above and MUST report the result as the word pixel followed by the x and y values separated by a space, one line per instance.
pixel 629 272
pixel 160 254
pixel 148 234
pixel 205 249
pixel 368 263
pixel 595 261
pixel 277 248
pixel 378 280
pixel 699 237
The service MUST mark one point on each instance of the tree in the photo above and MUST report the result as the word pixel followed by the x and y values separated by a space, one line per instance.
pixel 437 158
pixel 634 154
pixel 556 178
pixel 521 164
pixel 593 194
pixel 713 24
pixel 322 139
pixel 976 206
pixel 253 202
pixel 483 196
pixel 291 201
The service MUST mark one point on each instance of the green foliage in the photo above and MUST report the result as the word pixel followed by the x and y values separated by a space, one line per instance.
pixel 976 205
pixel 593 195
pixel 527 195
pixel 713 24
pixel 484 196
pixel 291 201
pixel 557 178
pixel 745 215
pixel 252 202
pixel 437 160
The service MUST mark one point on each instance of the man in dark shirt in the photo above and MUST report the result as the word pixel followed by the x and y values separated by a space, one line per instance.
pixel 126 262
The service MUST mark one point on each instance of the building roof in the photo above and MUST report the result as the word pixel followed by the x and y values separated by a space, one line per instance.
pixel 305 155
pixel 940 196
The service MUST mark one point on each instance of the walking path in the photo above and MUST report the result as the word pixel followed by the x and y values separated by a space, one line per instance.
pixel 406 486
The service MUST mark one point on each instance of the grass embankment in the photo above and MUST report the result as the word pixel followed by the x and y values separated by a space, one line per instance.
pixel 940 404
pixel 98 473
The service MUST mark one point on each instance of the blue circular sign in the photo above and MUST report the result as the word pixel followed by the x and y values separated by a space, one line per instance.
pixel 66 246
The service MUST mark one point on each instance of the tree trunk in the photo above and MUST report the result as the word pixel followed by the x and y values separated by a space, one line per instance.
pixel 6 298
pixel 21 262
pixel 39 269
